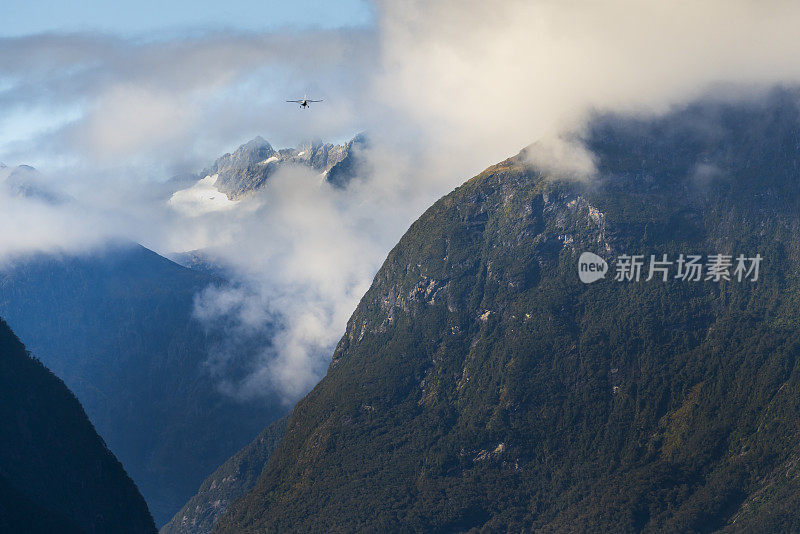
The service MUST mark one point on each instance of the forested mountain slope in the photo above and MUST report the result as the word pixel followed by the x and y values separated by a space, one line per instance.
pixel 481 385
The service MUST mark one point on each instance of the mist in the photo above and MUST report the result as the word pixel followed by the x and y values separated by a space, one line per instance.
pixel 444 89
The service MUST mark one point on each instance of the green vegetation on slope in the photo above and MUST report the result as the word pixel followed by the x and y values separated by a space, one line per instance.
pixel 481 387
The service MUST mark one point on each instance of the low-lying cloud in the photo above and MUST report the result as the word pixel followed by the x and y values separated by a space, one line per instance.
pixel 444 89
pixel 302 253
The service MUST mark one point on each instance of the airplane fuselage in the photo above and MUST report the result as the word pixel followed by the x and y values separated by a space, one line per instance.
pixel 305 102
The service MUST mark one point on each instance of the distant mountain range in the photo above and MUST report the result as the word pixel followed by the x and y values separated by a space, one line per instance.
pixel 480 386
pixel 249 167
pixel 56 474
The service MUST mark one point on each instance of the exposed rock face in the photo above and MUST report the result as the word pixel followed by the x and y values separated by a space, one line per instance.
pixel 250 166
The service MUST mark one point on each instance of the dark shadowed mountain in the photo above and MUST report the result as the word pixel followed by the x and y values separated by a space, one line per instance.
pixel 232 480
pixel 117 326
pixel 352 165
pixel 481 387
pixel 56 474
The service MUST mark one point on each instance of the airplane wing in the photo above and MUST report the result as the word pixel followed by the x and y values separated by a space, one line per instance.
pixel 298 101
pixel 314 100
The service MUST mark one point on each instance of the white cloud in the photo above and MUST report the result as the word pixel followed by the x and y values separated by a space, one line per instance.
pixel 482 79
pixel 201 198
pixel 303 257
pixel 444 89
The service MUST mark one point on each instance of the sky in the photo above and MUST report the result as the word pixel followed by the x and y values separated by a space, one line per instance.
pixel 110 105
pixel 150 21
pixel 153 17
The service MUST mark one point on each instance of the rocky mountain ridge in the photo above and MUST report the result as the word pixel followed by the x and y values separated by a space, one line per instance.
pixel 249 167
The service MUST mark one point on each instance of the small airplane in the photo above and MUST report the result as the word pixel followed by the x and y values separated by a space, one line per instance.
pixel 304 102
